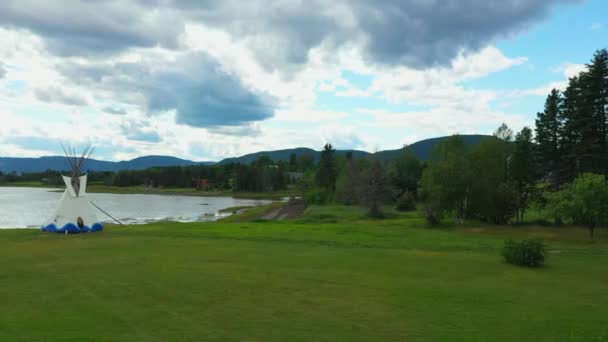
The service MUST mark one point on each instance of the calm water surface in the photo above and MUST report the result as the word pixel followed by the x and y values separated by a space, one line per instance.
pixel 33 207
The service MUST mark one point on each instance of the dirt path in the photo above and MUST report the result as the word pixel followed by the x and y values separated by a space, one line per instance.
pixel 294 209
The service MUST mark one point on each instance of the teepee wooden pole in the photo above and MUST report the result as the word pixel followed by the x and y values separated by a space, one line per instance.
pixel 110 216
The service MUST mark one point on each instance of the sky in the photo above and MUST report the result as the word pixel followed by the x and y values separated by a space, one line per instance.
pixel 210 79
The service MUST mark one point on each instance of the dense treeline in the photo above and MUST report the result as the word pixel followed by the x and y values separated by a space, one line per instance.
pixel 493 181
pixel 561 168
pixel 368 181
pixel 572 131
pixel 48 177
pixel 262 175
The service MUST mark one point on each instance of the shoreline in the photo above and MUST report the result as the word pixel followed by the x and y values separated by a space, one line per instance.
pixel 237 213
pixel 141 190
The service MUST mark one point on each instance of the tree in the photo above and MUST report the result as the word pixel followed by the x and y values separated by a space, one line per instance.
pixel 585 124
pixel 597 90
pixel 405 172
pixel 584 201
pixel 446 182
pixel 476 182
pixel 492 195
pixel 305 162
pixel 504 133
pixel 572 132
pixel 375 188
pixel 523 170
pixel 548 127
pixel 569 135
pixel 327 173
pixel 348 182
pixel 293 162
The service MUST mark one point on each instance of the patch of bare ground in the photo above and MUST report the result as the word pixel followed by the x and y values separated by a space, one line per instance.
pixel 295 208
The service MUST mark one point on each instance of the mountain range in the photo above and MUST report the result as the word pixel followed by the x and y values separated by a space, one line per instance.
pixel 422 149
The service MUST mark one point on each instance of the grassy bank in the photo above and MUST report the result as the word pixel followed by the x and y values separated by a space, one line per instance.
pixel 330 275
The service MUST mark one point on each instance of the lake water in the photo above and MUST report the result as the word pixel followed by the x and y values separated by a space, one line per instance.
pixel 33 207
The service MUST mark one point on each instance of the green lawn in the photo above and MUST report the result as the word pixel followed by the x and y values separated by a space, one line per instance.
pixel 329 276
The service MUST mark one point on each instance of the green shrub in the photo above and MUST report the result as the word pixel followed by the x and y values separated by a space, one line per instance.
pixel 406 202
pixel 318 196
pixel 529 253
pixel 431 214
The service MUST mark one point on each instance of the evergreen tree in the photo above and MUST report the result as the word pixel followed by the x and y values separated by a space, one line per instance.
pixel 572 132
pixel 569 136
pixel 597 90
pixel 523 170
pixel 548 127
pixel 305 162
pixel 327 173
pixel 587 148
pixel 293 162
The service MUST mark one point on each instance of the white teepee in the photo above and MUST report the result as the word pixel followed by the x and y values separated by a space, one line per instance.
pixel 75 213
pixel 74 205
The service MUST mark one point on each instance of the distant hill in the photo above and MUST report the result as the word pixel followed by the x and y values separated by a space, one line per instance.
pixel 422 149
pixel 59 163
pixel 284 155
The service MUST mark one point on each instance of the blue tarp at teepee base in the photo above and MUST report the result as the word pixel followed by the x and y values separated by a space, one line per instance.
pixel 71 228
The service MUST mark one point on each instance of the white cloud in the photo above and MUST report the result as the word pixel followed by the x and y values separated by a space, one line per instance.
pixel 299 118
pixel 570 69
pixel 596 26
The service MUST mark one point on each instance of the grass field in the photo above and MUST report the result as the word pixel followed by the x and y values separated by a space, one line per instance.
pixel 329 276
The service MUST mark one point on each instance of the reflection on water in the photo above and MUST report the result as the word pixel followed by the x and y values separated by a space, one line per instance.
pixel 33 207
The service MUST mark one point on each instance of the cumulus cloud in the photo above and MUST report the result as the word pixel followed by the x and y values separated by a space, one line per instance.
pixel 58 95
pixel 115 111
pixel 239 131
pixel 88 28
pixel 405 32
pixel 344 140
pixel 204 95
pixel 570 69
pixel 2 71
pixel 409 32
pixel 193 85
pixel 140 131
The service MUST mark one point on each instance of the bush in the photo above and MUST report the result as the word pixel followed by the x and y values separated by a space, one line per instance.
pixel 431 214
pixel 529 253
pixel 318 196
pixel 406 202
pixel 584 202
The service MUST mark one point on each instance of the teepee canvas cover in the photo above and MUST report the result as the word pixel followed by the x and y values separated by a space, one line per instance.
pixel 75 214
